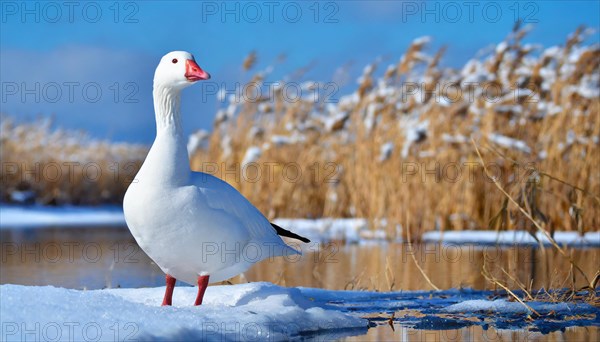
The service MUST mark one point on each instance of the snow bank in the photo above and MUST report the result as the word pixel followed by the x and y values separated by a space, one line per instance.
pixel 480 305
pixel 39 216
pixel 504 306
pixel 256 311
pixel 488 237
pixel 263 311
pixel 351 230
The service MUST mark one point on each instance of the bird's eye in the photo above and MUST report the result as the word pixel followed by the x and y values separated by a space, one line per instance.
pixel 174 60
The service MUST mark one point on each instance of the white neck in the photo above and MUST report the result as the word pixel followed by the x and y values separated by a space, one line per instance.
pixel 167 103
pixel 168 161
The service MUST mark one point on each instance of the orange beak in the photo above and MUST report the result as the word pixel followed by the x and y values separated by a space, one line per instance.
pixel 193 72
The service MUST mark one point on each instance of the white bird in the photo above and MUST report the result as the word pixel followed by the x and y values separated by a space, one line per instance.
pixel 193 225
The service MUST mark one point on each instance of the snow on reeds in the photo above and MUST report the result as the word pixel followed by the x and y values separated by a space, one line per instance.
pixel 54 166
pixel 401 142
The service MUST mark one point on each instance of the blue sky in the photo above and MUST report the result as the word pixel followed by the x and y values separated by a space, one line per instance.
pixel 90 65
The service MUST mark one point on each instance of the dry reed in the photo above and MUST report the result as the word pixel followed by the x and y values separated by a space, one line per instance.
pixel 54 167
pixel 401 143
pixel 398 144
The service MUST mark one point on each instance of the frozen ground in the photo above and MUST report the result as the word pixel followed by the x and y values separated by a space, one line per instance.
pixel 257 311
pixel 351 230
pixel 263 311
pixel 459 308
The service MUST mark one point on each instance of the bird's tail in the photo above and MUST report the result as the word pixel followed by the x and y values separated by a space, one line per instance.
pixel 283 232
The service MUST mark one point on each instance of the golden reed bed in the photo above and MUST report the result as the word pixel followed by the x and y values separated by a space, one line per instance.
pixel 398 150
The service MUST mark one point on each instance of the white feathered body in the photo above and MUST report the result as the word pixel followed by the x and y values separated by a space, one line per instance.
pixel 192 223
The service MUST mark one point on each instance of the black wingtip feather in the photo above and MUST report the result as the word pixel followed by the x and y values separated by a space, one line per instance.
pixel 287 233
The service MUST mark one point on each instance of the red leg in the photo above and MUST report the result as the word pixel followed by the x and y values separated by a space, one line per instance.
pixel 168 300
pixel 202 285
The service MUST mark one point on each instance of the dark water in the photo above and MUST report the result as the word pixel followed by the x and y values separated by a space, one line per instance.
pixel 94 258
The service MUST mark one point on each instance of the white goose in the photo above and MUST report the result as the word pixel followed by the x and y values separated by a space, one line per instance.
pixel 195 226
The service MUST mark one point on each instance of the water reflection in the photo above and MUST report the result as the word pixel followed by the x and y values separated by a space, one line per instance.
pixel 475 333
pixel 95 258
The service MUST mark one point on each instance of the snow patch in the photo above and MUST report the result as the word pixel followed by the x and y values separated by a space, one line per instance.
pixel 348 229
pixel 520 237
pixel 503 306
pixel 252 155
pixel 255 311
pixel 40 216
pixel 351 230
pixel 385 152
pixel 508 142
